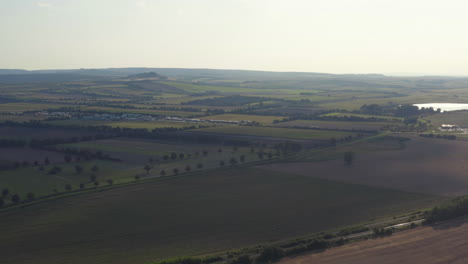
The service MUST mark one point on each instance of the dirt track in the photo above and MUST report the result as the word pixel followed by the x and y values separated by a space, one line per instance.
pixel 434 166
pixel 443 244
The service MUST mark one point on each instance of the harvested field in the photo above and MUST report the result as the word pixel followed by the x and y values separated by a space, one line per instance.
pixel 189 215
pixel 440 244
pixel 434 166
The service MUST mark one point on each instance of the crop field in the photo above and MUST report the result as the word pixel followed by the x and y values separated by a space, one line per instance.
pixel 277 132
pixel 442 243
pixel 24 180
pixel 237 117
pixel 346 125
pixel 127 124
pixel 390 118
pixel 455 118
pixel 140 111
pixel 40 132
pixel 434 166
pixel 135 151
pixel 187 215
pixel 29 155
pixel 24 107
pixel 193 88
pixel 19 118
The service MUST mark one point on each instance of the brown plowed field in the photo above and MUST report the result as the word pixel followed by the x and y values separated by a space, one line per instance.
pixel 442 244
pixel 434 166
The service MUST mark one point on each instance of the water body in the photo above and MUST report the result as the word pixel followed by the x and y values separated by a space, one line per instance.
pixel 444 106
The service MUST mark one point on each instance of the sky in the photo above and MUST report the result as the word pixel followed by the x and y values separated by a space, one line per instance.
pixel 334 36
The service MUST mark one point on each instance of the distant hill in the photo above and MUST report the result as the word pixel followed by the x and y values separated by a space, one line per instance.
pixel 146 75
pixel 46 78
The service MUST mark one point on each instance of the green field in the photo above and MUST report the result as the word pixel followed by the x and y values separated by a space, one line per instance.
pixel 455 118
pixel 346 125
pixel 24 180
pixel 190 215
pixel 277 132
pixel 140 111
pixel 24 107
pixel 127 124
pixel 237 117
pixel 390 118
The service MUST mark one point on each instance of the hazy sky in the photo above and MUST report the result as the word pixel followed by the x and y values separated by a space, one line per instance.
pixel 337 36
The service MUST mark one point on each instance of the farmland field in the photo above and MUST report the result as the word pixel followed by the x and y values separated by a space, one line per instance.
pixel 442 243
pixel 347 125
pixel 190 215
pixel 455 118
pixel 276 132
pixel 39 132
pixel 237 117
pixel 41 183
pixel 432 166
pixel 24 107
pixel 127 124
pixel 390 118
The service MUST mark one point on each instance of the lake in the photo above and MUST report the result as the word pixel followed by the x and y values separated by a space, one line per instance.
pixel 444 106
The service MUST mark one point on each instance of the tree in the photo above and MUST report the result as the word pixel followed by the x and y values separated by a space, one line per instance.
pixel 82 186
pixel 188 168
pixel 348 158
pixel 147 168
pixel 78 169
pixel 137 177
pixel 95 168
pixel 181 156
pixel 68 187
pixel 199 165
pixel 96 183
pixel 2 203
pixel 30 196
pixel 15 198
pixel 269 255
pixel 242 260
pixel 233 161
pixel 221 163
pixel 92 177
pixel 176 171
pixel 260 155
pixel 110 181
pixel 162 173
pixel 242 158
pixel 173 155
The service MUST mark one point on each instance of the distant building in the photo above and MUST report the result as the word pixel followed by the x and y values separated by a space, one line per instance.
pixel 449 127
